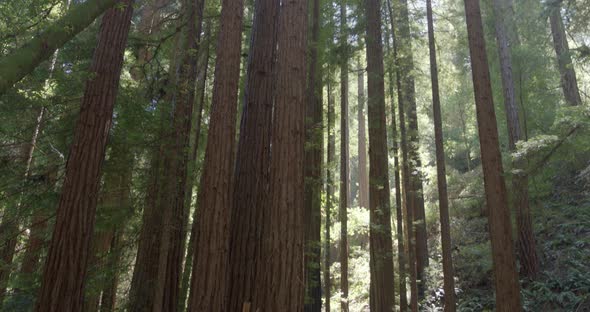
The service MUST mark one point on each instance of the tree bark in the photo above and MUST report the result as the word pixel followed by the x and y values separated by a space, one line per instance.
pixel 210 265
pixel 569 82
pixel 330 162
pixel 173 198
pixel 416 199
pixel 405 169
pixel 25 59
pixel 398 194
pixel 505 275
pixel 527 250
pixel 362 142
pixel 314 142
pixel 202 69
pixel 249 212
pixel 441 173
pixel 381 245
pixel 63 277
pixel 344 159
pixel 141 293
pixel 284 244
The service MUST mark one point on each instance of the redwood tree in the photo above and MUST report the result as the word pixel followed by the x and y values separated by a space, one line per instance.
pixel 252 160
pixel 381 246
pixel 283 282
pixel 64 272
pixel 441 172
pixel 344 159
pixel 330 162
pixel 210 264
pixel 314 138
pixel 505 275
pixel 415 191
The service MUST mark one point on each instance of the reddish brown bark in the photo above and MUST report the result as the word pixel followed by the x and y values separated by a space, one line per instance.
pixel 416 198
pixel 252 160
pixel 381 262
pixel 173 197
pixel 314 141
pixel 202 69
pixel 141 293
pixel 210 265
pixel 441 171
pixel 284 246
pixel 344 160
pixel 331 159
pixel 362 143
pixel 63 277
pixel 405 171
pixel 505 275
pixel 397 170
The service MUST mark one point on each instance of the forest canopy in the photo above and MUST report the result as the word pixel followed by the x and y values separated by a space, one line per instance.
pixel 301 155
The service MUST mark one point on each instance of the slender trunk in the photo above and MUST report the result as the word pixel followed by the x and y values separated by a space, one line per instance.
pixel 381 246
pixel 344 159
pixel 249 212
pixel 210 265
pixel 569 82
pixel 505 274
pixel 108 299
pixel 398 194
pixel 202 69
pixel 405 169
pixel 120 204
pixel 314 138
pixel 331 159
pixel 362 143
pixel 63 277
pixel 173 198
pixel 441 171
pixel 285 235
pixel 141 293
pixel 526 241
pixel 416 199
pixel 25 59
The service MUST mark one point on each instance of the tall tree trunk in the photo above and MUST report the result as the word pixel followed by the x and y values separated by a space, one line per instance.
pixel 63 277
pixel 330 162
pixel 381 245
pixel 25 59
pixel 362 142
pixel 249 211
pixel 441 172
pixel 173 198
pixel 120 177
pixel 344 159
pixel 284 244
pixel 527 250
pixel 141 293
pixel 108 299
pixel 405 168
pixel 314 138
pixel 416 198
pixel 398 194
pixel 569 82
pixel 210 265
pixel 505 274
pixel 202 69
